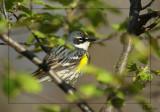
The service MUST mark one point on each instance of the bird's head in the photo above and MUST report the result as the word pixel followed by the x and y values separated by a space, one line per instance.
pixel 79 39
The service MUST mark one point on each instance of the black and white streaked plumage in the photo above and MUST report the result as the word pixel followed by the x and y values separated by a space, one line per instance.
pixel 66 62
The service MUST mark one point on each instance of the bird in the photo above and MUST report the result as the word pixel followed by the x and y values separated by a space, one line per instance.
pixel 67 63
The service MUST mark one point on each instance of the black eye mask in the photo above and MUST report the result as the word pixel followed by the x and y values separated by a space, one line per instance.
pixel 79 40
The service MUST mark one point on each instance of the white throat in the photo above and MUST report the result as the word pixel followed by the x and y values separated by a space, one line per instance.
pixel 84 45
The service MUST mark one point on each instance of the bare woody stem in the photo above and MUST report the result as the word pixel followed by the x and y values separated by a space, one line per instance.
pixel 4 9
pixel 80 103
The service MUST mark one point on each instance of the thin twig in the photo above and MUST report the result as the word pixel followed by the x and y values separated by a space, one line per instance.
pixel 22 43
pixel 43 46
pixel 80 103
pixel 4 9
pixel 149 4
pixel 152 25
pixel 14 11
pixel 109 37
pixel 31 5
pixel 143 19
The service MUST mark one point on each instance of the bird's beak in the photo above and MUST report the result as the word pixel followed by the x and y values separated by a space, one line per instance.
pixel 91 39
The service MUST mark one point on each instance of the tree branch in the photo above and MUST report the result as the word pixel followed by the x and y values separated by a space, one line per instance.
pixel 109 37
pixel 14 11
pixel 43 46
pixel 80 103
pixel 149 4
pixel 150 26
pixel 143 19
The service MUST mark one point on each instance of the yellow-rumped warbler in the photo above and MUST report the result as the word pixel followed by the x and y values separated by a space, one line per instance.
pixel 66 62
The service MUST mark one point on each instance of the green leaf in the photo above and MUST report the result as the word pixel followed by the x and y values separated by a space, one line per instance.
pixel 155 46
pixel 104 77
pixel 120 94
pixel 28 83
pixel 117 102
pixel 72 97
pixel 92 16
pixel 3 24
pixel 155 72
pixel 46 6
pixel 90 90
pixel 116 26
pixel 64 2
pixel 145 76
pixel 121 27
pixel 111 8
pixel 49 108
pixel 10 87
pixel 74 25
pixel 26 10
pixel 142 51
pixel 140 82
pixel 145 105
pixel 132 67
pixel 38 33
pixel 101 75
pixel 10 3
pixel 38 2
pixel 31 38
pixel 22 15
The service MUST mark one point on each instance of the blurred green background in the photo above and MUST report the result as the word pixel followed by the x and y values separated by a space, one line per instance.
pixel 101 56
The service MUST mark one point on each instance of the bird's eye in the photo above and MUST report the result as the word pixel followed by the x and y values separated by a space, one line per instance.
pixel 80 39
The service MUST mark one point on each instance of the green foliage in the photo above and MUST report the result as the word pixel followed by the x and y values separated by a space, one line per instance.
pixel 145 105
pixel 101 75
pixel 133 67
pixel 155 46
pixel 118 99
pixel 155 72
pixel 28 83
pixel 72 97
pixel 64 2
pixel 49 108
pixel 117 102
pixel 25 10
pixel 53 108
pixel 92 16
pixel 97 4
pixel 10 87
pixel 16 82
pixel 3 24
pixel 122 27
pixel 140 82
pixel 90 90
pixel 141 52
pixel 13 85
pixel 10 3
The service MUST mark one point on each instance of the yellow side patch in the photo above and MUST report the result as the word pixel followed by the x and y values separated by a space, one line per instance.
pixel 85 33
pixel 82 63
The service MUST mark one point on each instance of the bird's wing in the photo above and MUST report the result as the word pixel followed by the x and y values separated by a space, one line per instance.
pixel 60 58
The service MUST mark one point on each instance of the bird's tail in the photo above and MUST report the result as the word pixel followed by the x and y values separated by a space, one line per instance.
pixel 41 75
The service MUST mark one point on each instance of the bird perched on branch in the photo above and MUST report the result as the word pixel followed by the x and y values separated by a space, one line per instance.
pixel 66 62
